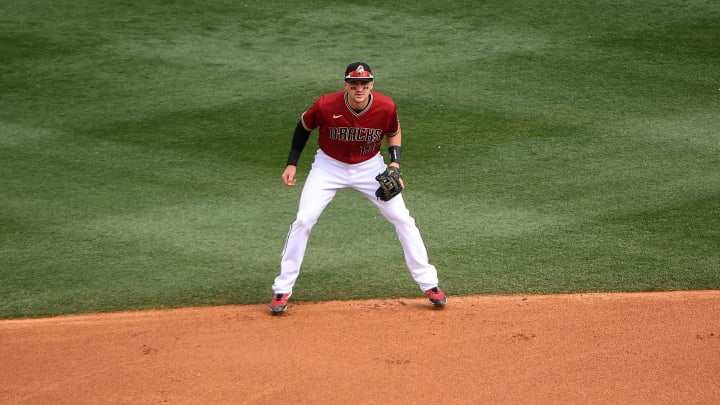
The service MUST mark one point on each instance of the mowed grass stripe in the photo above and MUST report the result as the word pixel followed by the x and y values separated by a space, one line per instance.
pixel 549 147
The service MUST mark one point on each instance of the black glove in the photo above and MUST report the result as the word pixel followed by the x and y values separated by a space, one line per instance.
pixel 390 185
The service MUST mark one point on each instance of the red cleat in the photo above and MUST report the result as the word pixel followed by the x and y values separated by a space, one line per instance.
pixel 278 305
pixel 437 297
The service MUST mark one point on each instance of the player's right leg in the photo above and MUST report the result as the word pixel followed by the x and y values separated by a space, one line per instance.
pixel 319 189
pixel 313 200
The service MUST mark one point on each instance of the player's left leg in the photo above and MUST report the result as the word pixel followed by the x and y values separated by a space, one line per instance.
pixel 395 211
pixel 416 256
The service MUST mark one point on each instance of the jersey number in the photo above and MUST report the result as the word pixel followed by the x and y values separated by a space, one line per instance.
pixel 367 149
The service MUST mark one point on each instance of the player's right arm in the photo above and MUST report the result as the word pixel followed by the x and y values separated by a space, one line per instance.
pixel 300 138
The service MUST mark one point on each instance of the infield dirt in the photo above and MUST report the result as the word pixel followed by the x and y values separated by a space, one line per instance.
pixel 639 348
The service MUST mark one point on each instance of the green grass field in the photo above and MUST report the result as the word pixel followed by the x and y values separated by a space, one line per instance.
pixel 549 146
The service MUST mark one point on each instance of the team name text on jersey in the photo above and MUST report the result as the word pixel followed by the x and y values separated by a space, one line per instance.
pixel 353 134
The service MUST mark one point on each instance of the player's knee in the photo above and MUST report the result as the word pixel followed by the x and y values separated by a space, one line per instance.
pixel 399 217
pixel 304 223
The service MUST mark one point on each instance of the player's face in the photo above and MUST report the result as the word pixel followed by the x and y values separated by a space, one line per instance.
pixel 358 92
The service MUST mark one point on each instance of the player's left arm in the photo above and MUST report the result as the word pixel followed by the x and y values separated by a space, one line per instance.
pixel 394 144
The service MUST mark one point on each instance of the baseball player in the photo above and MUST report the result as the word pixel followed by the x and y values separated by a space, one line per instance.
pixel 352 125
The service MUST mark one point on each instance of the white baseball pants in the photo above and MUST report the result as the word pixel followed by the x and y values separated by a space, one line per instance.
pixel 326 177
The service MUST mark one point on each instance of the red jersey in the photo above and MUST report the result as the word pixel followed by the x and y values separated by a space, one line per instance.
pixel 347 135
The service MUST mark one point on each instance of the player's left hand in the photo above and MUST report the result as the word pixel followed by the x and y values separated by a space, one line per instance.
pixel 390 183
pixel 397 165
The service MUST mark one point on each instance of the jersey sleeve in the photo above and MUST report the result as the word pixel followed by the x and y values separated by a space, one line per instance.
pixel 312 118
pixel 394 125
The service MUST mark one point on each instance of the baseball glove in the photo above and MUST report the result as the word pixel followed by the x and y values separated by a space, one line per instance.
pixel 390 185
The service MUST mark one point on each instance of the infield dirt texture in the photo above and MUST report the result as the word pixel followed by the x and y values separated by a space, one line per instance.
pixel 641 348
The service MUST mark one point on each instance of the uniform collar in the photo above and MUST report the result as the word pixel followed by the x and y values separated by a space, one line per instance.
pixel 354 111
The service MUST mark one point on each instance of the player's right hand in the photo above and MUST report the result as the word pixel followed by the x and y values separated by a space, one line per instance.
pixel 288 175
